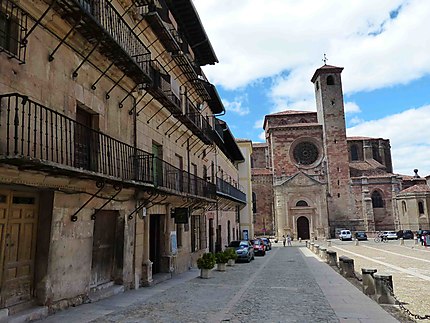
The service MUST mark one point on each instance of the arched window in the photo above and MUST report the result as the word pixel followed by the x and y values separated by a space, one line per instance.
pixel 254 202
pixel 302 203
pixel 354 152
pixel 303 120
pixel 420 207
pixel 317 85
pixel 404 207
pixel 377 201
pixel 330 80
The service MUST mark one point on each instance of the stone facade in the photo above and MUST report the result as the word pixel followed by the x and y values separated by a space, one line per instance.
pixel 108 139
pixel 319 179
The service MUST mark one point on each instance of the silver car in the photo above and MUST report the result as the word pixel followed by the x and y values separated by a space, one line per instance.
pixel 244 249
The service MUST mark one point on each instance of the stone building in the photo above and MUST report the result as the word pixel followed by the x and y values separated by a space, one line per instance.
pixel 113 164
pixel 308 178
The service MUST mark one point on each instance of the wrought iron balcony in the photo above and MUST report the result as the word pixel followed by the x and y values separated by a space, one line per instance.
pixel 161 89
pixel 37 137
pixel 13 28
pixel 102 25
pixel 195 121
pixel 156 13
pixel 229 191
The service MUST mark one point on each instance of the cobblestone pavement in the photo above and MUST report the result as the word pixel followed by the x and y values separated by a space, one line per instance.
pixel 408 264
pixel 287 285
pixel 269 289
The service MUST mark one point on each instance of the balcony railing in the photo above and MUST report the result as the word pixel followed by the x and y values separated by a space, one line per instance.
pixel 194 120
pixel 32 134
pixel 229 190
pixel 102 25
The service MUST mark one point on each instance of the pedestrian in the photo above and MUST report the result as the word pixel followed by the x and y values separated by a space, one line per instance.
pixel 284 239
pixel 289 240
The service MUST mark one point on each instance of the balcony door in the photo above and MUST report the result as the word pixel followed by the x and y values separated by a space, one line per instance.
pixel 83 139
pixel 157 152
pixel 179 163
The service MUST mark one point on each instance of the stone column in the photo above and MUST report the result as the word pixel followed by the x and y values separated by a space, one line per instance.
pixel 384 288
pixel 328 243
pixel 147 264
pixel 369 282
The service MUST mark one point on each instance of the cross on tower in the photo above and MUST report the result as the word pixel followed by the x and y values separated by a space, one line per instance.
pixel 325 59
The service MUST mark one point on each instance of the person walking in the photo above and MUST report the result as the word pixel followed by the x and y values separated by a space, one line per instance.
pixel 284 240
pixel 288 240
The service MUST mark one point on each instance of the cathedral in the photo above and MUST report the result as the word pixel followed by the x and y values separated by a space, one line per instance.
pixel 309 178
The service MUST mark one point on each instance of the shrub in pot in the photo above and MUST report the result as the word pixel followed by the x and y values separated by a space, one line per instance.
pixel 232 256
pixel 205 263
pixel 221 260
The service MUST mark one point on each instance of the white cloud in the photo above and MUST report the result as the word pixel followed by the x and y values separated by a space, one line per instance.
pixel 352 107
pixel 285 40
pixel 409 133
pixel 356 121
pixel 259 124
pixel 262 136
pixel 236 106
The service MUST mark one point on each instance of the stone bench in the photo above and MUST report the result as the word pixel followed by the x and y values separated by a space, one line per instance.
pixel 368 283
pixel 384 289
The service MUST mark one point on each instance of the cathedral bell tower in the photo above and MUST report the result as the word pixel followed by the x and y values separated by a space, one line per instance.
pixel 331 115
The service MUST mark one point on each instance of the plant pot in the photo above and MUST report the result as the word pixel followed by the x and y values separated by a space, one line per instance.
pixel 205 273
pixel 220 267
pixel 231 262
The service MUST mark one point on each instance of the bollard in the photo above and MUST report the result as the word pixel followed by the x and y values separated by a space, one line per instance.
pixel 369 282
pixel 300 239
pixel 323 253
pixel 307 246
pixel 356 242
pixel 332 258
pixel 384 288
pixel 328 243
pixel 402 242
pixel 346 266
pixel 312 246
pixel 317 249
pixel 415 241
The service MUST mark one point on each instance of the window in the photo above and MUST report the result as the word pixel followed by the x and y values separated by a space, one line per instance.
pixel 179 235
pixel 330 80
pixel 8 33
pixel 254 202
pixel 420 207
pixel 228 231
pixel 377 201
pixel 404 207
pixel 306 153
pixel 302 203
pixel 203 237
pixel 375 153
pixel 354 152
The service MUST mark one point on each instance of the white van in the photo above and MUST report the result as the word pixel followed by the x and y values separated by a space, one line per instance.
pixel 345 235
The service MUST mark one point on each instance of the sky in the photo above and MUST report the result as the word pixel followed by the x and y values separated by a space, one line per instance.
pixel 268 51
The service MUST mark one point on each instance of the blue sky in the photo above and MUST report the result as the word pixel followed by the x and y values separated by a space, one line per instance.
pixel 268 51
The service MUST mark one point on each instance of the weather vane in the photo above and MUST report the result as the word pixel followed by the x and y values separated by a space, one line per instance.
pixel 325 59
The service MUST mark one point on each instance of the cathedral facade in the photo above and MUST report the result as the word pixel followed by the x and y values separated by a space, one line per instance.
pixel 309 178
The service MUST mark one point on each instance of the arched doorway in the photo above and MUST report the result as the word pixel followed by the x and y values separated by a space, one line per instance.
pixel 303 228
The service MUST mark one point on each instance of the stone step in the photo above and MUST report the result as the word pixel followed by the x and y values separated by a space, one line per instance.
pixel 105 291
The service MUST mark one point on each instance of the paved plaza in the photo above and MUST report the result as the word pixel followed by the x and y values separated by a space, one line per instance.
pixel 287 285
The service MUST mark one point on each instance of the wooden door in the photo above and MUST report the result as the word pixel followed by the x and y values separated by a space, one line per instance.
pixel 303 228
pixel 82 139
pixel 104 240
pixel 18 229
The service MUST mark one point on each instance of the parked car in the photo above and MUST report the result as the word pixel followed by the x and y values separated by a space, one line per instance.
pixel 405 234
pixel 360 235
pixel 390 235
pixel 259 247
pixel 267 243
pixel 345 235
pixel 244 249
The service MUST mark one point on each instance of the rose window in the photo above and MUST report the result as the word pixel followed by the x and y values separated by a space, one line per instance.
pixel 305 153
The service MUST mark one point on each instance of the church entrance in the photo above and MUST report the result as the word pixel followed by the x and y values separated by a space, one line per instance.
pixel 303 228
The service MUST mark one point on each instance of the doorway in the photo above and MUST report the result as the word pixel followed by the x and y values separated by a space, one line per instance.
pixel 211 236
pixel 155 242
pixel 18 231
pixel 303 228
pixel 104 247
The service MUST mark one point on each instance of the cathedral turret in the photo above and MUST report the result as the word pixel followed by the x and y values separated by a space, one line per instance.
pixel 331 115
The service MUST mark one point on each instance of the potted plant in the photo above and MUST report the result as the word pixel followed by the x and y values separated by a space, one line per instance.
pixel 232 256
pixel 221 260
pixel 205 263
